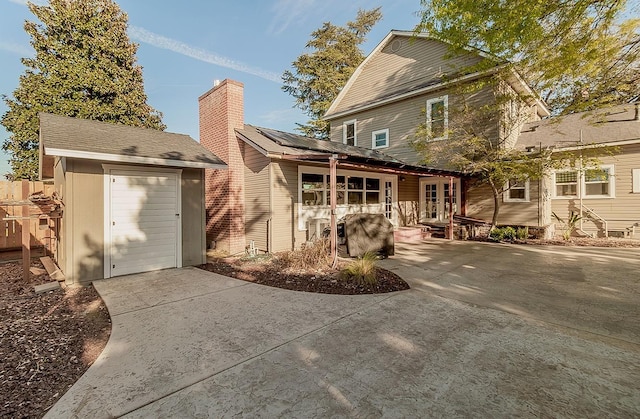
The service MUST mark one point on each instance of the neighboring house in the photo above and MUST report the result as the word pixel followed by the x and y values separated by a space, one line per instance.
pixel 132 197
pixel 275 195
pixel 608 198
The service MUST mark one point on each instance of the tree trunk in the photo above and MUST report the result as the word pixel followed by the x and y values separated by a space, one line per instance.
pixel 496 205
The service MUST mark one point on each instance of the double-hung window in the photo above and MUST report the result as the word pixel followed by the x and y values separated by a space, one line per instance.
pixel 596 182
pixel 349 135
pixel 516 191
pixel 566 184
pixel 438 117
pixel 380 139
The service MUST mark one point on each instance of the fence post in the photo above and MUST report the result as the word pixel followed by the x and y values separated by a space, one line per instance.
pixel 26 232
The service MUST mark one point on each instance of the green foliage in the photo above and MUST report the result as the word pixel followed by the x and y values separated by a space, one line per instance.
pixel 362 270
pixel 318 75
pixel 509 233
pixel 568 225
pixel 503 233
pixel 578 54
pixel 522 233
pixel 84 66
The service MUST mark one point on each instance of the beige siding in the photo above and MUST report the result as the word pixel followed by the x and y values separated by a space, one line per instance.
pixel 81 184
pixel 416 62
pixel 621 212
pixel 84 219
pixel 408 201
pixel 402 119
pixel 193 214
pixel 480 205
pixel 256 197
pixel 284 181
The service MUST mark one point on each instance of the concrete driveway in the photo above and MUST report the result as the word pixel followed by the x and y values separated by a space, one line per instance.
pixel 473 337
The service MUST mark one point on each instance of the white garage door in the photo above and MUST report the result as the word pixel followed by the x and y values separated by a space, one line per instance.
pixel 144 221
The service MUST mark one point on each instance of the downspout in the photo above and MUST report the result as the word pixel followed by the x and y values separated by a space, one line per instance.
pixel 580 183
pixel 450 207
pixel 270 219
pixel 333 170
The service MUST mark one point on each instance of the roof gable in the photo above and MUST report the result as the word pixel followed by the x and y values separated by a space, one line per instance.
pixel 402 62
pixel 82 138
pixel 406 64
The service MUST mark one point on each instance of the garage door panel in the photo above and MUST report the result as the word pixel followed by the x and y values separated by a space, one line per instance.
pixel 144 226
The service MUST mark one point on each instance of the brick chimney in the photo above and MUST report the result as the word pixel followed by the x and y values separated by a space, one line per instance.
pixel 221 111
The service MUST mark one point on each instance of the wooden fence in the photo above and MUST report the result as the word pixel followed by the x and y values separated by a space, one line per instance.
pixel 41 227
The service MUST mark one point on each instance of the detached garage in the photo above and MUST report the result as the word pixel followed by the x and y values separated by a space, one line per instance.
pixel 133 197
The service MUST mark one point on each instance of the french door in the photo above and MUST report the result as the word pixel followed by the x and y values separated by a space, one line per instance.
pixel 434 199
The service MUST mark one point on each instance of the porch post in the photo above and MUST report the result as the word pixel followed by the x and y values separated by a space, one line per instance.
pixel 450 208
pixel 333 164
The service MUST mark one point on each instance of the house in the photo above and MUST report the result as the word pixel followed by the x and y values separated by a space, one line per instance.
pixel 608 198
pixel 411 79
pixel 133 198
pixel 275 194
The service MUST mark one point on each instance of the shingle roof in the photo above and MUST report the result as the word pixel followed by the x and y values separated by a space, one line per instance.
pixel 74 137
pixel 275 143
pixel 607 125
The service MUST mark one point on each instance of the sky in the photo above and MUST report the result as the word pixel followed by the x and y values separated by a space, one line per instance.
pixel 185 45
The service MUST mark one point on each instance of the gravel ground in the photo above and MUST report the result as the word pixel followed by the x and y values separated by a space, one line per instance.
pixel 47 341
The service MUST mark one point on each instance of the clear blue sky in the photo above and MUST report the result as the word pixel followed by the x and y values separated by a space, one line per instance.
pixel 186 45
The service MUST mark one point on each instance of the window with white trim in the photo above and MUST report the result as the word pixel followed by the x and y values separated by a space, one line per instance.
pixel 438 117
pixel 635 175
pixel 314 190
pixel 349 135
pixel 516 191
pixel 566 184
pixel 380 138
pixel 596 182
pixel 350 190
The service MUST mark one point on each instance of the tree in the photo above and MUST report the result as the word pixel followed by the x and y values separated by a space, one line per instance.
pixel 84 66
pixel 479 139
pixel 319 75
pixel 578 54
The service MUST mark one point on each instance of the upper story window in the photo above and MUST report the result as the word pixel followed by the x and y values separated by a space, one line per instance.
pixel 438 117
pixel 516 191
pixel 349 133
pixel 596 183
pixel 380 138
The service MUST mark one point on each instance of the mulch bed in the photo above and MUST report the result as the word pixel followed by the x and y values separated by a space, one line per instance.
pixel 47 341
pixel 266 271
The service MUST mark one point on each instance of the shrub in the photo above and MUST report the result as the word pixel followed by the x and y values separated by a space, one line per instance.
pixel 522 233
pixel 362 270
pixel 503 233
pixel 310 256
pixel 568 226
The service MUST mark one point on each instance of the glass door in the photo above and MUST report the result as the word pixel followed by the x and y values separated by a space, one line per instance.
pixel 434 199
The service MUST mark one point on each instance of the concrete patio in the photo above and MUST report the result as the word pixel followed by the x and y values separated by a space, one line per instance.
pixel 489 331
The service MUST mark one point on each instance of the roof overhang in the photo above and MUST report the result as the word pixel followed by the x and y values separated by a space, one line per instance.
pixel 119 158
pixel 596 145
